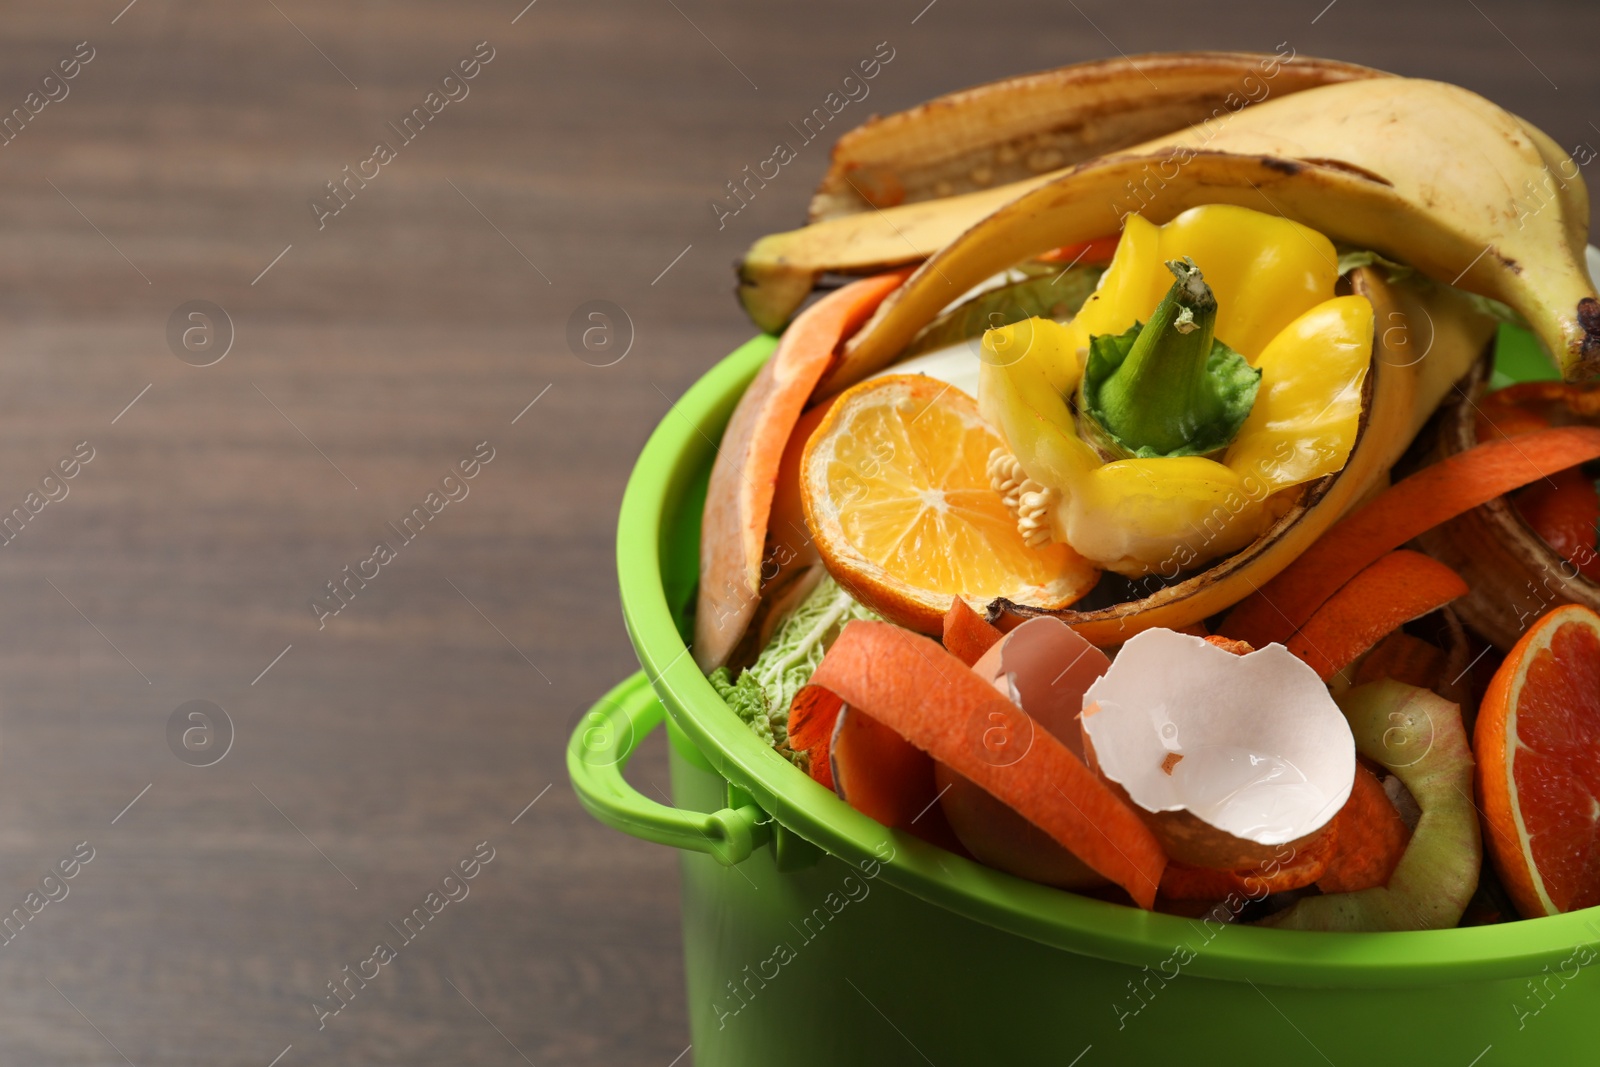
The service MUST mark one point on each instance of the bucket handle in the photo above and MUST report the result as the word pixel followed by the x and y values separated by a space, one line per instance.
pixel 601 745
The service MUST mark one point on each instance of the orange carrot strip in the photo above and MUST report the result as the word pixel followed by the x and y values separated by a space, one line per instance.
pixel 1502 420
pixel 1228 644
pixel 1299 868
pixel 929 697
pixel 1528 406
pixel 1399 587
pixel 1369 839
pixel 1433 495
pixel 812 714
pixel 880 773
pixel 1405 659
pixel 1096 252
pixel 966 635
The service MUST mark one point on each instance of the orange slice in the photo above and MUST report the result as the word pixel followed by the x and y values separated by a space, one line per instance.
pixel 897 495
pixel 1537 743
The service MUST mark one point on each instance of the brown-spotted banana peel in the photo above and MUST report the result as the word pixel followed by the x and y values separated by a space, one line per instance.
pixel 906 162
pixel 1425 173
pixel 1023 127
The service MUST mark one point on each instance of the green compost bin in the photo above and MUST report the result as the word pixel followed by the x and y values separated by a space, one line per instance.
pixel 815 936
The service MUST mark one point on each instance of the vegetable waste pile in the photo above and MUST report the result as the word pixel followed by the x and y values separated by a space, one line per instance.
pixel 1131 511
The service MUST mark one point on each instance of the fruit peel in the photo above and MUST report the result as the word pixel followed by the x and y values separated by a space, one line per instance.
pixel 1226 756
pixel 1418 736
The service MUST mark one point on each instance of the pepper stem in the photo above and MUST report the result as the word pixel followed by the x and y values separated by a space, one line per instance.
pixel 1168 388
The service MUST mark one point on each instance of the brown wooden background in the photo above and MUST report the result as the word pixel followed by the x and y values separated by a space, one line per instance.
pixel 374 354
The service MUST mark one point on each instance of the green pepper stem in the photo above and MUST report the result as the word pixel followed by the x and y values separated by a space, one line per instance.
pixel 1169 396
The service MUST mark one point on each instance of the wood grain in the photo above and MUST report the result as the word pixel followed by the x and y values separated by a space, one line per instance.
pixel 375 353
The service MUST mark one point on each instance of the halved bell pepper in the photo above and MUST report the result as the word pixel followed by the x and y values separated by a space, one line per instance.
pixel 1162 509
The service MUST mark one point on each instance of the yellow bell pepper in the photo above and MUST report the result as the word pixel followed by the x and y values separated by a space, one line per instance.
pixel 1273 282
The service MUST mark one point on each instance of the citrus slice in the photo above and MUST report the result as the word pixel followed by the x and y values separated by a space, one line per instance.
pixel 1537 743
pixel 897 494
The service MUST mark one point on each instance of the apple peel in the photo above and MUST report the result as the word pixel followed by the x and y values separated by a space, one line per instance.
pixel 1267 758
pixel 1419 737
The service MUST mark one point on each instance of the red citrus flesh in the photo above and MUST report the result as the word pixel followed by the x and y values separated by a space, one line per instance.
pixel 1538 750
pixel 1564 511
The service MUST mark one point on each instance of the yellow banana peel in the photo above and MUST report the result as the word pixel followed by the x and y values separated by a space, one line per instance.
pixel 1374 163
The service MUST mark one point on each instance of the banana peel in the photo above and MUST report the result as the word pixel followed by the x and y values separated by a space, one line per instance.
pixel 779 271
pixel 1024 127
pixel 1560 180
pixel 1425 338
pixel 1368 162
pixel 939 150
pixel 1334 200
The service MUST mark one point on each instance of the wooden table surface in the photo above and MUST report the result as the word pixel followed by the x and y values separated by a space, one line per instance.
pixel 371 351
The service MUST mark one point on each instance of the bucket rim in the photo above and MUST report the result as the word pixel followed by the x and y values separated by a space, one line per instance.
pixel 678 449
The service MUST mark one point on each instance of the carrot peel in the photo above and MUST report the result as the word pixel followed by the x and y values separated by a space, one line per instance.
pixel 880 773
pixel 966 634
pixel 812 715
pixel 1405 659
pixel 1412 506
pixel 925 694
pixel 1096 252
pixel 1301 867
pixel 1399 587
pixel 1369 839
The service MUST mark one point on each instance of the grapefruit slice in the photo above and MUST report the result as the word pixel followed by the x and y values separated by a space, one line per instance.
pixel 896 492
pixel 1538 750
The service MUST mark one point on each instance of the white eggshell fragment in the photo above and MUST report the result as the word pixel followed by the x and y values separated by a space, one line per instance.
pixel 1044 667
pixel 1252 745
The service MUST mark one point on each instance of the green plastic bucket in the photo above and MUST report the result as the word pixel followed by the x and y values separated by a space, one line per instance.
pixel 813 935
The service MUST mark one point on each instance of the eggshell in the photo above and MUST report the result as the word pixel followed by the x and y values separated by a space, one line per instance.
pixel 1228 757
pixel 1044 667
